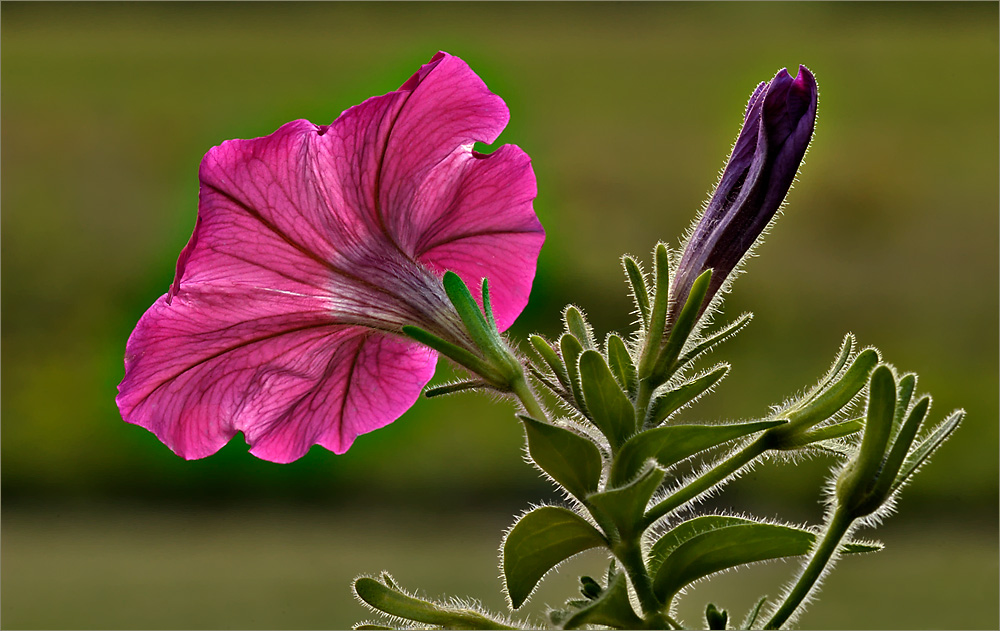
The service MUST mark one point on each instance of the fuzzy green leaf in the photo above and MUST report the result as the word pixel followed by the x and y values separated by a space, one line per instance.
pixel 571 460
pixel 577 325
pixel 826 432
pixel 658 313
pixel 829 400
pixel 625 505
pixel 929 445
pixel 539 541
pixel 551 359
pixel 712 340
pixel 729 544
pixel 571 350
pixel 673 400
pixel 638 281
pixel 394 603
pixel 670 445
pixel 609 407
pixel 622 365
pixel 752 615
pixel 858 477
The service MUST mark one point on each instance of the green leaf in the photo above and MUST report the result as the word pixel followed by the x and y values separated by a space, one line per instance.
pixel 609 407
pixel 571 350
pixel 639 292
pixel 926 447
pixel 826 432
pixel 610 609
pixel 827 402
pixel 658 314
pixel 684 531
pixel 881 407
pixel 751 617
pixel 394 603
pixel 371 627
pixel 673 400
pixel 625 505
pixel 907 384
pixel 551 358
pixel 571 460
pixel 843 355
pixel 577 325
pixel 621 364
pixel 539 541
pixel 729 544
pixel 670 445
pixel 897 455
pixel 681 328
pixel 714 339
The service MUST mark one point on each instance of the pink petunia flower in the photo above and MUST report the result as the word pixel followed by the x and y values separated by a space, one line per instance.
pixel 313 247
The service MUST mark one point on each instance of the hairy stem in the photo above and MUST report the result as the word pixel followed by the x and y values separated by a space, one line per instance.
pixel 526 396
pixel 706 481
pixel 630 555
pixel 821 556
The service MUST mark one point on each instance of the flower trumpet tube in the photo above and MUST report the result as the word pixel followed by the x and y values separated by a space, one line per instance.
pixel 313 248
pixel 777 128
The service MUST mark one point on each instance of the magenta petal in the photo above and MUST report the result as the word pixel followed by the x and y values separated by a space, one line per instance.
pixel 489 229
pixel 215 362
pixel 313 248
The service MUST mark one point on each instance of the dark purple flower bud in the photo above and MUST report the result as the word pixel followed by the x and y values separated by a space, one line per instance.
pixel 777 128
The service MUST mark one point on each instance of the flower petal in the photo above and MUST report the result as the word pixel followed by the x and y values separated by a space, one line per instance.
pixel 489 230
pixel 214 362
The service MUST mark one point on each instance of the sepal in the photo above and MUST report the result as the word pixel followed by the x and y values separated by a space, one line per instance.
pixel 680 330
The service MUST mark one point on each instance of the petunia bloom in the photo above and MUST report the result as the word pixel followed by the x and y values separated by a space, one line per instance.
pixel 313 247
pixel 777 127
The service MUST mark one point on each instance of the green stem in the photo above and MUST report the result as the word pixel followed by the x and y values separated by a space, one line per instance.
pixel 839 524
pixel 642 398
pixel 524 394
pixel 709 479
pixel 630 555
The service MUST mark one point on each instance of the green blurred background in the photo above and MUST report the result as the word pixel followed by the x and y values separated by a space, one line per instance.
pixel 628 111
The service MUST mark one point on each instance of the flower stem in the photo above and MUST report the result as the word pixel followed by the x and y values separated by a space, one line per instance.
pixel 524 394
pixel 835 531
pixel 706 481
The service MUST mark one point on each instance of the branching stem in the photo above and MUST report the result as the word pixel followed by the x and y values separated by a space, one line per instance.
pixel 835 531
pixel 710 478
